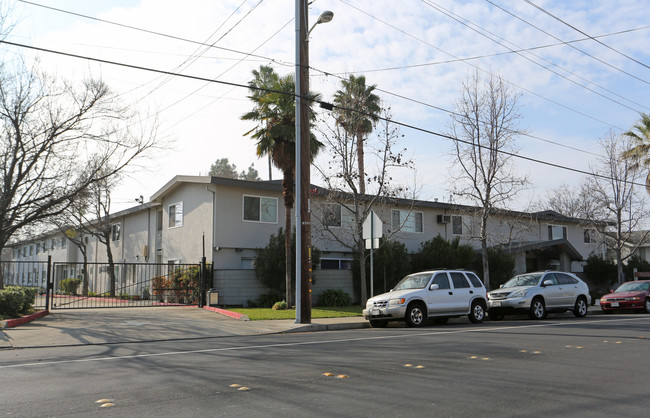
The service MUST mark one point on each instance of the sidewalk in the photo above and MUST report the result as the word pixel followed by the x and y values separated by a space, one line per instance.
pixel 130 325
pixel 124 325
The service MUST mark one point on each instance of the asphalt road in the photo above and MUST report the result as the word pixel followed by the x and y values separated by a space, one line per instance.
pixel 563 366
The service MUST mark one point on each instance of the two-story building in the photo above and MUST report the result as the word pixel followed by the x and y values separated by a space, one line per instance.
pixel 227 220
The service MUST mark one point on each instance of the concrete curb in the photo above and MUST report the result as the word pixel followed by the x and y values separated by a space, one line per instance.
pixel 231 314
pixel 327 327
pixel 10 323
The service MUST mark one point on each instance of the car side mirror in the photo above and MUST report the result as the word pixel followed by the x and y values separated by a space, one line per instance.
pixel 501 285
pixel 611 291
pixel 547 283
pixel 434 286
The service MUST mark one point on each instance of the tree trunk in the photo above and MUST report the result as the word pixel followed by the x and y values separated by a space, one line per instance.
pixel 484 253
pixel 362 175
pixel 362 273
pixel 111 263
pixel 287 191
pixel 85 271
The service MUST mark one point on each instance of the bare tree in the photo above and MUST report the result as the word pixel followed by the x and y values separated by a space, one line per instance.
pixel 614 183
pixel 57 141
pixel 575 202
pixel 485 125
pixel 341 175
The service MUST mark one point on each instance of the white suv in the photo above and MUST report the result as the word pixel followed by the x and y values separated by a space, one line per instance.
pixel 539 293
pixel 439 294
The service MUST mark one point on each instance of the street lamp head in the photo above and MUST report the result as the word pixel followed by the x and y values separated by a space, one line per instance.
pixel 325 17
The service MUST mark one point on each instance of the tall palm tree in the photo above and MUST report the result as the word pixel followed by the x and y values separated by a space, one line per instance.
pixel 640 153
pixel 274 111
pixel 358 114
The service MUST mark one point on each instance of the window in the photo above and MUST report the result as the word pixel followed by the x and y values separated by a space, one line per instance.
pixel 176 215
pixel 115 232
pixel 64 242
pixel 590 236
pixel 556 232
pixel 260 209
pixel 335 264
pixel 460 282
pixel 247 263
pixel 407 221
pixel 31 250
pixel 441 280
pixel 476 282
pixel 332 215
pixel 457 225
pixel 565 279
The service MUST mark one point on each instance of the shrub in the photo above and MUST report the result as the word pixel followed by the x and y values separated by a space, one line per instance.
pixel 280 306
pixel 501 265
pixel 70 286
pixel 15 300
pixel 145 294
pixel 334 297
pixel 440 253
pixel 266 300
pixel 635 262
pixel 601 273
pixel 91 294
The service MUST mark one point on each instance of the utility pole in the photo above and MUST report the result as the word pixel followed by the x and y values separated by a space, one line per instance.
pixel 303 177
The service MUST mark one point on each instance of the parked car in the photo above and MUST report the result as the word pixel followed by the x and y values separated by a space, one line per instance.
pixel 539 293
pixel 439 294
pixel 628 296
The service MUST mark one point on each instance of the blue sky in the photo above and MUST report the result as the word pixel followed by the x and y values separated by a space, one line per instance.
pixel 418 50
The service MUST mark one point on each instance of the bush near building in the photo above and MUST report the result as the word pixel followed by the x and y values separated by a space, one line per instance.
pixel 16 301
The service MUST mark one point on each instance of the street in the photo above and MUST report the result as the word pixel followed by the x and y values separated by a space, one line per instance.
pixel 562 366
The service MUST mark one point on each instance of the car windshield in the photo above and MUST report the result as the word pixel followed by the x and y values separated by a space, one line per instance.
pixel 524 280
pixel 633 286
pixel 414 281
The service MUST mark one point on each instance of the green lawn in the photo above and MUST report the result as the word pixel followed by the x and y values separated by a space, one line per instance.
pixel 318 312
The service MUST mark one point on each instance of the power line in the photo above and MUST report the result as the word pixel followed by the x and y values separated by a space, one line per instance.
pixel 585 34
pixel 318 70
pixel 467 23
pixel 569 44
pixel 482 70
pixel 329 106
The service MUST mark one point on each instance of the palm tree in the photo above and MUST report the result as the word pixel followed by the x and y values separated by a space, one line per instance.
pixel 275 113
pixel 640 153
pixel 358 113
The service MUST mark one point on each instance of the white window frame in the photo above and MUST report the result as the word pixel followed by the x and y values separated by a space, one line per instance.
pixel 455 218
pixel 116 232
pixel 553 228
pixel 404 226
pixel 178 215
pixel 331 209
pixel 260 209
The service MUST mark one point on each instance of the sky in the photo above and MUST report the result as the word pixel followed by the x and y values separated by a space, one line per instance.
pixel 583 69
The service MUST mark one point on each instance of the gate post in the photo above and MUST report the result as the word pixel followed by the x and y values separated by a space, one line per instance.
pixel 49 287
pixel 202 284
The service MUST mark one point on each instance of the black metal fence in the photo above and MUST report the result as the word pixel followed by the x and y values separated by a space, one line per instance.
pixel 32 274
pixel 97 285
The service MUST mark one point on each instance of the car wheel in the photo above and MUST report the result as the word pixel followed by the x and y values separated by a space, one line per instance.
pixel 646 305
pixel 440 321
pixel 537 309
pixel 495 314
pixel 415 315
pixel 477 313
pixel 580 309
pixel 378 323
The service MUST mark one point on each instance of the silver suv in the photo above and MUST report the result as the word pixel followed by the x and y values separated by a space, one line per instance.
pixel 539 293
pixel 439 294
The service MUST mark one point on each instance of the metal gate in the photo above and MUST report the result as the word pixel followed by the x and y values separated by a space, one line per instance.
pixel 125 285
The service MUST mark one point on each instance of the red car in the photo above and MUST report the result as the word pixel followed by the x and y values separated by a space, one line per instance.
pixel 629 296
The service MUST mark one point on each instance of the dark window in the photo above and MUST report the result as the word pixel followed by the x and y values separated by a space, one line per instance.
pixel 460 282
pixel 329 264
pixel 565 279
pixel 441 280
pixel 476 282
pixel 551 277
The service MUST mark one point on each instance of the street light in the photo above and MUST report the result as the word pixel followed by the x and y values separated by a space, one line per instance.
pixel 303 177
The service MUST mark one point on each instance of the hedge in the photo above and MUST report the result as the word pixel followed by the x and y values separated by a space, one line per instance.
pixel 16 300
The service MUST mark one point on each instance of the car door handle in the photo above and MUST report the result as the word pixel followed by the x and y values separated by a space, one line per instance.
pixel 451 293
pixel 471 292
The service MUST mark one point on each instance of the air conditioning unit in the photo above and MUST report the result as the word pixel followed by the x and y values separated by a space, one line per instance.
pixel 444 219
